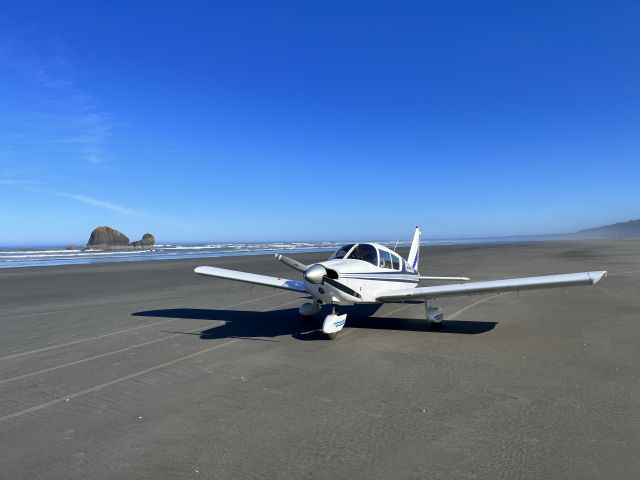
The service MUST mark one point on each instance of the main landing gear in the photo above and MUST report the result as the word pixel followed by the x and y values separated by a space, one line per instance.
pixel 308 310
pixel 434 315
pixel 333 322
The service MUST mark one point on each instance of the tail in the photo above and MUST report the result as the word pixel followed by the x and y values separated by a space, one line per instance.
pixel 414 251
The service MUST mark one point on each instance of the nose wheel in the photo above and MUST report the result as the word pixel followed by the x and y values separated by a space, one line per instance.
pixel 333 323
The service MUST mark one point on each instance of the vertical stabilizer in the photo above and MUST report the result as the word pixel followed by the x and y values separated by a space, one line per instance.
pixel 414 251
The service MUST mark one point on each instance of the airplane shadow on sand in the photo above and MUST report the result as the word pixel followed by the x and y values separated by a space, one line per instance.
pixel 276 323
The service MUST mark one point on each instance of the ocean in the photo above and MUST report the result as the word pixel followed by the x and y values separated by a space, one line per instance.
pixel 12 257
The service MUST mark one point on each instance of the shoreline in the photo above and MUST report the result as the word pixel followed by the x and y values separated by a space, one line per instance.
pixel 48 256
pixel 150 258
pixel 157 258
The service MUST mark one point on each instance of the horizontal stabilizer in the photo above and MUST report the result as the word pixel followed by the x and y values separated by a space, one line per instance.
pixel 495 286
pixel 252 278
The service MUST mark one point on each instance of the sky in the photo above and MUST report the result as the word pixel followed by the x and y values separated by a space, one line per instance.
pixel 248 121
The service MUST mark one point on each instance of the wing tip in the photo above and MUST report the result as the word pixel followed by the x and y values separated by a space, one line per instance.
pixel 595 277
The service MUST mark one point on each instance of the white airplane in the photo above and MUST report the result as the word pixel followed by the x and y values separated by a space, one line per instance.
pixel 360 273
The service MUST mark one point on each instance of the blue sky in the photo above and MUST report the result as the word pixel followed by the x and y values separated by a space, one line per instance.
pixel 212 121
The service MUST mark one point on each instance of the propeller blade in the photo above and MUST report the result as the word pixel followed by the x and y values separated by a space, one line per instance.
pixel 342 287
pixel 301 267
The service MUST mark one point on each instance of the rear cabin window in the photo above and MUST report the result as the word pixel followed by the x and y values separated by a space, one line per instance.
pixel 385 259
pixel 396 262
pixel 365 252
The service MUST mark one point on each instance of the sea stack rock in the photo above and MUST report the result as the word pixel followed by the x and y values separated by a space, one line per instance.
pixel 106 238
pixel 148 241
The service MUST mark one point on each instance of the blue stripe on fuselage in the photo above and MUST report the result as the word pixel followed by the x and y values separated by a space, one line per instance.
pixel 379 273
pixel 416 281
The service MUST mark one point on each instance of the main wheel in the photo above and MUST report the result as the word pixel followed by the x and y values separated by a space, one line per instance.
pixel 332 336
pixel 436 325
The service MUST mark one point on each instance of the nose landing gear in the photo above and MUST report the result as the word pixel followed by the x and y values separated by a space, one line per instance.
pixel 333 323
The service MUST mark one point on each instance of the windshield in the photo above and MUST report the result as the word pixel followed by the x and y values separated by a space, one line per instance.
pixel 365 252
pixel 342 252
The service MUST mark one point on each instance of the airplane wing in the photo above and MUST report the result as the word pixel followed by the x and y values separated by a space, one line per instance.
pixel 494 286
pixel 451 279
pixel 252 278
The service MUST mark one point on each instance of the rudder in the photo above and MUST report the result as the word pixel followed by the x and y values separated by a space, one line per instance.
pixel 414 251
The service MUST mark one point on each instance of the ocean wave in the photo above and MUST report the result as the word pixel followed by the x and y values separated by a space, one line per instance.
pixel 72 253
pixel 2 252
pixel 191 247
pixel 12 257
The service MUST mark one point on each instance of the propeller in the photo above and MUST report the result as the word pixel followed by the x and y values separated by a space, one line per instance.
pixel 301 267
pixel 318 274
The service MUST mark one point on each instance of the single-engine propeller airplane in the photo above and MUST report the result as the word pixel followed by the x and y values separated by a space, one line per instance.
pixel 372 273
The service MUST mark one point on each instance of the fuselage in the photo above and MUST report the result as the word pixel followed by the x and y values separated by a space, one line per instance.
pixel 366 269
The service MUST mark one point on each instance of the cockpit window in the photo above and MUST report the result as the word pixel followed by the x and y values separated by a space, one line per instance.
pixel 366 252
pixel 342 252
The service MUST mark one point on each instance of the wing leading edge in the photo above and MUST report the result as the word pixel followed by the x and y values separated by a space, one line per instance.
pixel 252 278
pixel 495 286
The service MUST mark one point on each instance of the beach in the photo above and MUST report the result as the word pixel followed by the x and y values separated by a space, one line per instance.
pixel 144 369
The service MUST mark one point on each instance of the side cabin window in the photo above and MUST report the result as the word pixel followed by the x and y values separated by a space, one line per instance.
pixel 397 263
pixel 385 259
pixel 342 252
pixel 365 252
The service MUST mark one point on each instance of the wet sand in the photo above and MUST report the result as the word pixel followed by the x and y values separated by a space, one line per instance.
pixel 146 370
